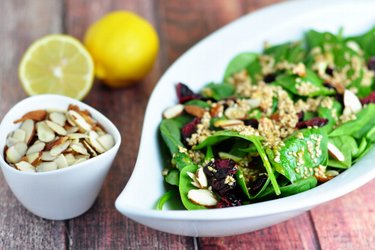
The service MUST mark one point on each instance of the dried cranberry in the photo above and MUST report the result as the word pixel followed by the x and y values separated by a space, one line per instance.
pixel 230 200
pixel 300 115
pixel 189 129
pixel 184 93
pixel 252 122
pixel 371 63
pixel 329 71
pixel 220 175
pixel 316 121
pixel 257 185
pixel 369 99
pixel 269 78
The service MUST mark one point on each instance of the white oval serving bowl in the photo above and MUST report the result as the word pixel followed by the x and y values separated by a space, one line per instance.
pixel 206 62
pixel 64 193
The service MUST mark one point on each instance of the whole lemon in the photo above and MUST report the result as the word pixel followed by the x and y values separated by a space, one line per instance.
pixel 124 47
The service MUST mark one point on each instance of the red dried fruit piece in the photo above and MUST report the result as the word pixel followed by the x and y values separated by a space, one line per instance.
pixel 316 121
pixel 300 115
pixel 252 122
pixel 230 200
pixel 184 93
pixel 220 175
pixel 371 63
pixel 189 129
pixel 369 99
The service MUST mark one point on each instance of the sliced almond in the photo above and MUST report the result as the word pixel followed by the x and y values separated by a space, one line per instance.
pixel 89 148
pixel 19 135
pixel 58 149
pixel 79 148
pixel 34 158
pixel 16 152
pixel 45 134
pixel 253 103
pixel 46 166
pixel 77 136
pixel 36 147
pixel 56 128
pixel 58 118
pixel 61 162
pixel 11 141
pixel 94 143
pixel 351 101
pixel 25 166
pixel 46 156
pixel 235 113
pixel 202 197
pixel 70 159
pixel 173 111
pixel 226 124
pixel 335 152
pixel 106 141
pixel 79 121
pixel 29 127
pixel 36 115
pixel 71 130
pixel 194 110
pixel 217 110
pixel 201 178
pixel 195 183
pixel 80 159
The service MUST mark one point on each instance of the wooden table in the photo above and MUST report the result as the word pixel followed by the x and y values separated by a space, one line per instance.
pixel 346 223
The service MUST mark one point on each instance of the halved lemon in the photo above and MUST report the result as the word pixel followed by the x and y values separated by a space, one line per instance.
pixel 57 64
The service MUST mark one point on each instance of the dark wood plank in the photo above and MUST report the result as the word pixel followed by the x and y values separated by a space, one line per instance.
pixel 21 22
pixel 348 222
pixel 103 227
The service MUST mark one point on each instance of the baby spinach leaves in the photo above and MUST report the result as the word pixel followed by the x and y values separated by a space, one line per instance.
pixel 185 186
pixel 170 132
pixel 239 63
pixel 218 91
pixel 302 151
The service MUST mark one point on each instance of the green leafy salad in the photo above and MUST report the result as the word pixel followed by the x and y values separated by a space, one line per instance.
pixel 281 122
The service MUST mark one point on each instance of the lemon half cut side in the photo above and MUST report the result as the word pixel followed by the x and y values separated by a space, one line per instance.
pixel 57 64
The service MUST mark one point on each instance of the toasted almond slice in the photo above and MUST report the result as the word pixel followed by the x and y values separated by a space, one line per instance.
pixel 70 159
pixel 79 121
pixel 335 152
pixel 38 146
pixel 173 111
pixel 194 178
pixel 227 123
pixel 351 101
pixel 45 134
pixel 11 141
pixel 46 166
pixel 25 166
pixel 36 115
pixel 58 149
pixel 94 143
pixel 16 152
pixel 253 103
pixel 202 197
pixel 89 148
pixel 71 130
pixel 79 148
pixel 61 162
pixel 58 118
pixel 80 159
pixel 235 113
pixel 19 135
pixel 194 110
pixel 34 158
pixel 106 141
pixel 216 110
pixel 201 178
pixel 29 127
pixel 56 128
pixel 46 156
pixel 77 136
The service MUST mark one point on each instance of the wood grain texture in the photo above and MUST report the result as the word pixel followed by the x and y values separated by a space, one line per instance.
pixel 21 22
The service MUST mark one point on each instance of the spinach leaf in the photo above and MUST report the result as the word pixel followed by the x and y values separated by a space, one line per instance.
pixel 314 39
pixel 310 85
pixel 218 91
pixel 331 114
pixel 347 146
pixel 165 198
pixel 172 177
pixel 171 134
pixel 238 63
pixel 254 69
pixel 198 103
pixel 366 41
pixel 185 186
pixel 226 134
pixel 181 160
pixel 244 187
pixel 292 52
pixel 359 127
pixel 302 151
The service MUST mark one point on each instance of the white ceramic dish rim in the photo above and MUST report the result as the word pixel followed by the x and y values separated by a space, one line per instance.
pixel 95 113
pixel 325 192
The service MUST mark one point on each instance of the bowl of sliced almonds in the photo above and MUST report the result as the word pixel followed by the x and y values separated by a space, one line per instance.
pixel 56 153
